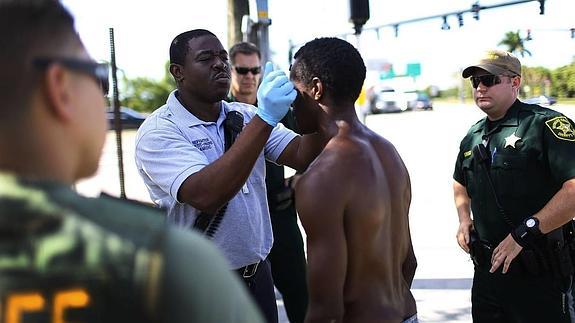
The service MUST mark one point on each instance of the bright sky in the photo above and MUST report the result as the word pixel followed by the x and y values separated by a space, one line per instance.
pixel 145 28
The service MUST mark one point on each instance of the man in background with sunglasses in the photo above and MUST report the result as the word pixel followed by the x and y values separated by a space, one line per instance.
pixel 65 257
pixel 515 174
pixel 287 256
pixel 245 59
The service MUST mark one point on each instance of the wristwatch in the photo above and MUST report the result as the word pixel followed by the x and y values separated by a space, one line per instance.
pixel 527 232
pixel 532 224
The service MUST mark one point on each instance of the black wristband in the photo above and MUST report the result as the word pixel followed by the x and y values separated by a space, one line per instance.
pixel 520 235
pixel 527 232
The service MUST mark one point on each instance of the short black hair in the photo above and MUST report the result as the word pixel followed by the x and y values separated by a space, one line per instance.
pixel 29 29
pixel 335 62
pixel 179 47
pixel 245 48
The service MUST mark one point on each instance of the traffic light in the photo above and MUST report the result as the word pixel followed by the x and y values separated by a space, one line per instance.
pixel 572 32
pixel 359 14
pixel 528 35
pixel 460 19
pixel 541 7
pixel 445 25
pixel 475 9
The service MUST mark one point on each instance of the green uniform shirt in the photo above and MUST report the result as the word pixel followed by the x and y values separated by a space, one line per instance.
pixel 532 152
pixel 64 257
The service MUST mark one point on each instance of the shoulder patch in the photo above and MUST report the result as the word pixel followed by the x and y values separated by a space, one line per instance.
pixel 562 128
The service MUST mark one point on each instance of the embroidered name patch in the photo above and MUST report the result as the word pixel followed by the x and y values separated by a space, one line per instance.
pixel 203 144
pixel 562 128
pixel 467 154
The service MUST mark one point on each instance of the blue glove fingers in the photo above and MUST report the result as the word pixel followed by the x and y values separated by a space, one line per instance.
pixel 291 96
pixel 275 87
pixel 274 76
pixel 286 87
pixel 288 98
pixel 275 95
pixel 268 69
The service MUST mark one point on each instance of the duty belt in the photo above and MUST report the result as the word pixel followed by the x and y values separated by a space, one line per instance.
pixel 248 271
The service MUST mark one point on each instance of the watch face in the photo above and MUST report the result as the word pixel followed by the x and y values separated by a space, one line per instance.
pixel 530 223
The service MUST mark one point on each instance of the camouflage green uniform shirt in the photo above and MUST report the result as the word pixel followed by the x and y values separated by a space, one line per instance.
pixel 64 257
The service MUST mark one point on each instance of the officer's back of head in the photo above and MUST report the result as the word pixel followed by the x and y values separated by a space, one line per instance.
pixel 51 103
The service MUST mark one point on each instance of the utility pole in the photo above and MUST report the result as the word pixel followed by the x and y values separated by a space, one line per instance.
pixel 263 25
pixel 242 28
pixel 237 9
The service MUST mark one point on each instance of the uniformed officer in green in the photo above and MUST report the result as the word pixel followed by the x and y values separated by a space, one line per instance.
pixel 68 258
pixel 515 174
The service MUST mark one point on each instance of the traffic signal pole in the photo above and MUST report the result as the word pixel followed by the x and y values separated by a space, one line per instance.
pixel 263 29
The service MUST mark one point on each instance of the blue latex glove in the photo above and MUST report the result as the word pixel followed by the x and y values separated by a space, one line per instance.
pixel 275 95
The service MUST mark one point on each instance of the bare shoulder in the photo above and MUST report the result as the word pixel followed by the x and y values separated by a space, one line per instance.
pixel 324 189
pixel 334 169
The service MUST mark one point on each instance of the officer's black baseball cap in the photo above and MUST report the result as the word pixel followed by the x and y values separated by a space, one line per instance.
pixel 496 62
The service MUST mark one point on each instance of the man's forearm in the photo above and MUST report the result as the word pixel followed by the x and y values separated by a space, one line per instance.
pixel 559 210
pixel 217 183
pixel 462 202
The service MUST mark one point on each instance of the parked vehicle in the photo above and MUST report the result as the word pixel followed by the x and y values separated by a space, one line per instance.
pixel 129 118
pixel 419 101
pixel 541 100
pixel 385 100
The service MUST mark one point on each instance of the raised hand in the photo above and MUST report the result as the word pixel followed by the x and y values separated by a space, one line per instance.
pixel 275 95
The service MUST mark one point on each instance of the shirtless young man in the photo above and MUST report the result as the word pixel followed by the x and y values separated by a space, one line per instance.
pixel 353 200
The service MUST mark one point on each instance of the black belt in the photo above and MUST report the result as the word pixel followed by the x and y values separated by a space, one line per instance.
pixel 248 271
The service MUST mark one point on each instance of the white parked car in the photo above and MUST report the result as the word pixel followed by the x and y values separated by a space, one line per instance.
pixel 385 100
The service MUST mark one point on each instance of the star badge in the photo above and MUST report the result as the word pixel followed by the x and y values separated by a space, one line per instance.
pixel 511 140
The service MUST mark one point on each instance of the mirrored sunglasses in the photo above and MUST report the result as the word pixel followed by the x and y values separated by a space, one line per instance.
pixel 244 70
pixel 487 80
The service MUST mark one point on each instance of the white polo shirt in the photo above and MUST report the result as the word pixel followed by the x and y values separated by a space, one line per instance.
pixel 173 144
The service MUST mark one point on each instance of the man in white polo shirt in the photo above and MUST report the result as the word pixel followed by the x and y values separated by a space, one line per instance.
pixel 180 154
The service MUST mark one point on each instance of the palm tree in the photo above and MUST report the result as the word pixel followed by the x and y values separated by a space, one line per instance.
pixel 514 43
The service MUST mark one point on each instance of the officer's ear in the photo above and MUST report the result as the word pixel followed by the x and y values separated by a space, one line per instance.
pixel 317 88
pixel 516 81
pixel 56 87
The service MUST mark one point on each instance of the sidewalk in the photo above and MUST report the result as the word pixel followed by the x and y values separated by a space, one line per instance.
pixel 443 300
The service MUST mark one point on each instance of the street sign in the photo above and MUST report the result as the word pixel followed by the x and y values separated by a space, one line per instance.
pixel 388 74
pixel 413 69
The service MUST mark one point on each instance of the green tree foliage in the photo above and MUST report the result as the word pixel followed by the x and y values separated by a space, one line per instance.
pixel 514 43
pixel 563 81
pixel 536 81
pixel 145 94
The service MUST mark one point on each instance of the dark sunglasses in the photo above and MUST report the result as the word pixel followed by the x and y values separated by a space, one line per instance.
pixel 244 70
pixel 99 71
pixel 487 80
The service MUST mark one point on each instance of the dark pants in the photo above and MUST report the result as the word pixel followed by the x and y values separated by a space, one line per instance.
pixel 289 264
pixel 261 287
pixel 518 297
